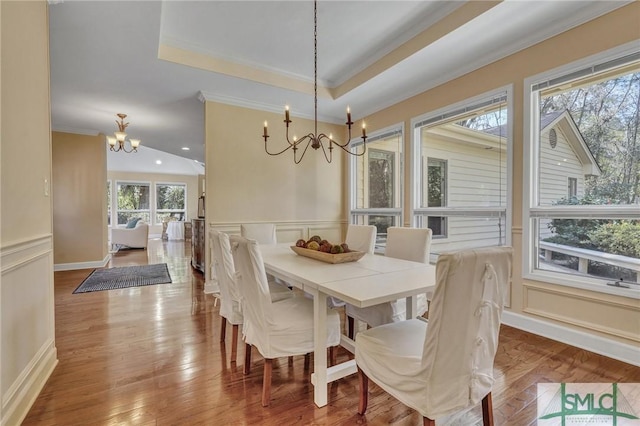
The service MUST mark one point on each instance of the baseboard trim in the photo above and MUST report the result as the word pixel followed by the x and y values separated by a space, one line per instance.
pixel 21 396
pixel 580 339
pixel 82 265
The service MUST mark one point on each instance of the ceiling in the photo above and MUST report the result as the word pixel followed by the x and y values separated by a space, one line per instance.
pixel 158 60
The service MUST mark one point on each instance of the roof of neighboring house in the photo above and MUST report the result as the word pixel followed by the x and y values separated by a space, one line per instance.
pixel 563 120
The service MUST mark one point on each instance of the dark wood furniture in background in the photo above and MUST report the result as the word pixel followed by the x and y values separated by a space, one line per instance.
pixel 197 244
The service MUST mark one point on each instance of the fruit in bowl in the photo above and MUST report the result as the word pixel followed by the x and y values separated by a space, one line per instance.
pixel 337 249
pixel 313 245
pixel 301 243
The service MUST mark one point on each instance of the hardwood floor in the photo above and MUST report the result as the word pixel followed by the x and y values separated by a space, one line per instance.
pixel 152 356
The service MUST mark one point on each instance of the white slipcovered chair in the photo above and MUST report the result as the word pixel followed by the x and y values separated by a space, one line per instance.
pixel 263 233
pixel 137 237
pixel 444 365
pixel 402 243
pixel 361 238
pixel 230 310
pixel 280 329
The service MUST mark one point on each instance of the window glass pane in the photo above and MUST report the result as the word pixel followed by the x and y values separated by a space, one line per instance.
pixel 589 134
pixel 587 177
pixel 381 178
pixel 170 202
pixel 109 203
pixel 377 174
pixel 598 248
pixel 133 201
pixel 377 183
pixel 461 172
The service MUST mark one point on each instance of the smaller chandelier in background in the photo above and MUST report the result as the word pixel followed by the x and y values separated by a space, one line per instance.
pixel 119 138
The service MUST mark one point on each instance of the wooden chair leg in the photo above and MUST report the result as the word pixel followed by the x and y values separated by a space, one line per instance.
pixel 223 329
pixel 266 382
pixel 487 410
pixel 350 327
pixel 426 421
pixel 234 343
pixel 247 358
pixel 333 356
pixel 307 361
pixel 364 392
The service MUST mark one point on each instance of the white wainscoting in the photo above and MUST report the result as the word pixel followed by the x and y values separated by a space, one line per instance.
pixel 286 232
pixel 27 346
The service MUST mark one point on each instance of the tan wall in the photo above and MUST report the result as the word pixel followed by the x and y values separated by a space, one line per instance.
pixel 243 183
pixel 79 198
pixel 190 180
pixel 27 335
pixel 614 318
pixel 26 146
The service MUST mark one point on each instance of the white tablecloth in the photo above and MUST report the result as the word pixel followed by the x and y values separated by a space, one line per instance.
pixel 175 230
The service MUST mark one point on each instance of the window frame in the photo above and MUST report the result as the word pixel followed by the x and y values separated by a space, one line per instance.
pixel 531 211
pixel 133 182
pixel 572 187
pixel 361 215
pixel 109 203
pixel 444 163
pixel 416 213
pixel 156 210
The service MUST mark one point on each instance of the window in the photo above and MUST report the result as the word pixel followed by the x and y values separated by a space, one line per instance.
pixel 376 177
pixel 460 163
pixel 170 201
pixel 572 189
pixel 582 223
pixel 108 203
pixel 437 194
pixel 133 201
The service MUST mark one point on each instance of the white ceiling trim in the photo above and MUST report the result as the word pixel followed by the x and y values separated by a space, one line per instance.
pixel 86 132
pixel 261 106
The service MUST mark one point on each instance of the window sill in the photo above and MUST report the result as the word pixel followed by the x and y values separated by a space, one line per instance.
pixel 583 283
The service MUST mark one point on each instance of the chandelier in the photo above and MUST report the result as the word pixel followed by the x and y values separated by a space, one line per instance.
pixel 119 137
pixel 315 140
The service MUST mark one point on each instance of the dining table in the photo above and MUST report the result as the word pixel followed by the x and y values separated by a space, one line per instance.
pixel 369 281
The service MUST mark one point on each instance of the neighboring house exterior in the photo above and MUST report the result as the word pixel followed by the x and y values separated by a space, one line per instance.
pixel 565 162
pixel 466 169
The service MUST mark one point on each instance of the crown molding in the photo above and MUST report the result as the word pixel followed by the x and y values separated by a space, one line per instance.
pixel 76 130
pixel 204 96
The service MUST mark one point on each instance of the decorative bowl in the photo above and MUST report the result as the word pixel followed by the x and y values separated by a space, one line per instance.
pixel 352 256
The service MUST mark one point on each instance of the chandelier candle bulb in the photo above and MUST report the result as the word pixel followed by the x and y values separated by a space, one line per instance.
pixel 364 130
pixel 286 113
pixel 265 130
pixel 348 116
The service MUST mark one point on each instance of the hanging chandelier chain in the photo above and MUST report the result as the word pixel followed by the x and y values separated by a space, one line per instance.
pixel 315 64
pixel 315 140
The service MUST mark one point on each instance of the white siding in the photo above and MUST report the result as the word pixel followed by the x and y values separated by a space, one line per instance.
pixel 476 177
pixel 557 165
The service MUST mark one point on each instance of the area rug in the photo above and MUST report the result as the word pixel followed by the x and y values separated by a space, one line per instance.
pixel 124 277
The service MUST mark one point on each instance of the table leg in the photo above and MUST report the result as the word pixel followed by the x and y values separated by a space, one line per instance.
pixel 412 306
pixel 320 354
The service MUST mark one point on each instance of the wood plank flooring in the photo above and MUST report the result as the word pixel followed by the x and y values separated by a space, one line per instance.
pixel 152 356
